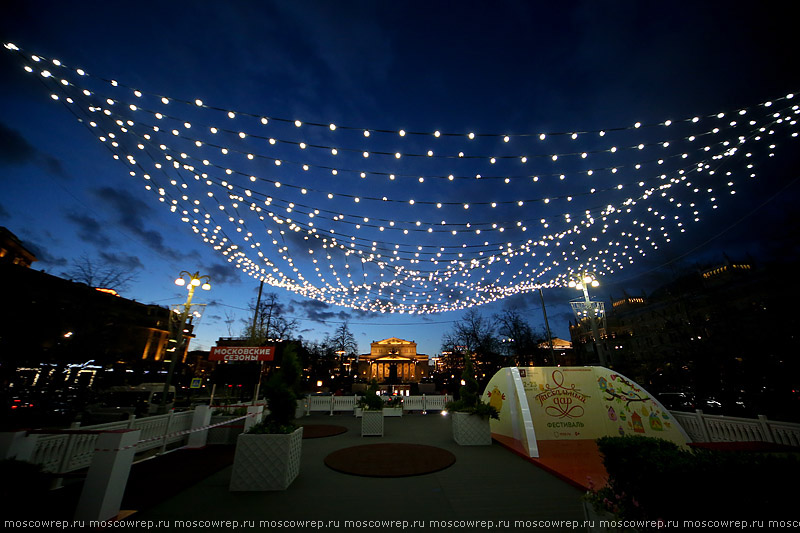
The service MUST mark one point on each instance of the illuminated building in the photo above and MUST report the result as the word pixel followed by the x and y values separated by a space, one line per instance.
pixel 393 361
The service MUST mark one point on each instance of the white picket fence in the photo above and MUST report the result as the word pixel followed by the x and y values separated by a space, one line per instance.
pixel 347 404
pixel 67 451
pixel 702 427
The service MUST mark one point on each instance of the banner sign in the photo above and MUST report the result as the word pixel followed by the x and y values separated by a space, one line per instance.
pixel 242 353
pixel 576 403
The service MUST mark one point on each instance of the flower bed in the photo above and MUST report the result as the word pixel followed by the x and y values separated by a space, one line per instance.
pixel 653 479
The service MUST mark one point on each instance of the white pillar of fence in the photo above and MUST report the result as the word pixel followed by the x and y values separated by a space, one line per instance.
pixel 17 445
pixel 108 475
pixel 765 429
pixel 254 413
pixel 701 421
pixel 167 425
pixel 200 418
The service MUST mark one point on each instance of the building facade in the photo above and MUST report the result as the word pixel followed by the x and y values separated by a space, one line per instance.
pixel 393 361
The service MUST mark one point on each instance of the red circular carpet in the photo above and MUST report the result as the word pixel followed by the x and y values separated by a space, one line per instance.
pixel 316 431
pixel 390 460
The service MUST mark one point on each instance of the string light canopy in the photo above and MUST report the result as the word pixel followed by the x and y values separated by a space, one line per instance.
pixel 396 220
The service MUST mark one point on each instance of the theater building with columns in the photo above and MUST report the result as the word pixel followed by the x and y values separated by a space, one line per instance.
pixel 393 361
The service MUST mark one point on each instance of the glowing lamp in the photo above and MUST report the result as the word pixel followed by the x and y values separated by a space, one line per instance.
pixel 180 282
pixel 206 287
pixel 195 282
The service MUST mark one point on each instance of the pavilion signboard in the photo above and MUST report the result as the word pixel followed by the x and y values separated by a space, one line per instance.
pixel 242 353
pixel 539 404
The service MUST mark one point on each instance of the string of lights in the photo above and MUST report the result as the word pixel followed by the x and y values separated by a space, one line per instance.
pixel 476 218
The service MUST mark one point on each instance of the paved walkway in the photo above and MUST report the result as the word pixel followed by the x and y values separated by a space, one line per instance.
pixel 487 483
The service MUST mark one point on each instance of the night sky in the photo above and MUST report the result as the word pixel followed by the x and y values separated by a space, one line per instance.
pixel 585 140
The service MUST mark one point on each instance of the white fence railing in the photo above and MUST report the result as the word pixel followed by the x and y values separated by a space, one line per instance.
pixel 73 450
pixel 347 404
pixel 715 428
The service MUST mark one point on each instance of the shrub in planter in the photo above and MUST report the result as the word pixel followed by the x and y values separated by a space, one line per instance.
pixel 268 455
pixel 469 400
pixel 371 400
pixel 655 479
pixel 394 402
pixel 470 414
pixel 372 416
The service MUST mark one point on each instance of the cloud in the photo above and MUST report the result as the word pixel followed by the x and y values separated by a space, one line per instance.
pixel 128 262
pixel 16 150
pixel 321 312
pixel 222 273
pixel 44 256
pixel 522 301
pixel 89 229
pixel 131 213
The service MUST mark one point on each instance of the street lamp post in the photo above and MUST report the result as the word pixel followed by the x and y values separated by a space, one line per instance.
pixel 582 283
pixel 194 280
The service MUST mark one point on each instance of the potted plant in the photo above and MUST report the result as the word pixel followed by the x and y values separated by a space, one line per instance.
pixel 267 457
pixel 470 414
pixel 393 406
pixel 372 412
pixel 225 434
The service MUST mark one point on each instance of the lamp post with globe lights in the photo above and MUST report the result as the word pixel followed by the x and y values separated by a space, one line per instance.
pixel 582 282
pixel 191 281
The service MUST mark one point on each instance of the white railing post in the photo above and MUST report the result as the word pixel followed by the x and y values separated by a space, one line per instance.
pixel 166 432
pixel 17 445
pixel 254 413
pixel 333 399
pixel 308 405
pixel 424 405
pixel 131 421
pixel 762 420
pixel 200 418
pixel 65 460
pixel 108 475
pixel 702 423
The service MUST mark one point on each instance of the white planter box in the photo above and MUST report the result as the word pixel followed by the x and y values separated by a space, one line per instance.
pixel 392 411
pixel 358 411
pixel 471 430
pixel 267 461
pixel 372 424
pixel 593 519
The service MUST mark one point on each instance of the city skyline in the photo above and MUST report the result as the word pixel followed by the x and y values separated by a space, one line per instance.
pixel 373 67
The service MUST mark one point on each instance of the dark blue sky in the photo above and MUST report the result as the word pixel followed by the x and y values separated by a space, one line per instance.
pixel 505 68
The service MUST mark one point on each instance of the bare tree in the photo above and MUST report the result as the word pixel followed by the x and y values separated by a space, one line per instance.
pixel 475 335
pixel 230 318
pixel 268 322
pixel 343 341
pixel 518 339
pixel 100 274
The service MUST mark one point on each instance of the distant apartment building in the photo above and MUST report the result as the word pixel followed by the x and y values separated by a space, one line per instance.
pixel 727 327
pixel 54 323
